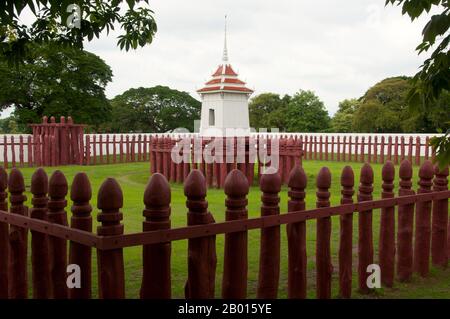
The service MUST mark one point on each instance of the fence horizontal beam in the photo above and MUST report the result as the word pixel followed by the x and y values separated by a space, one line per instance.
pixel 137 239
pixel 145 238
pixel 56 230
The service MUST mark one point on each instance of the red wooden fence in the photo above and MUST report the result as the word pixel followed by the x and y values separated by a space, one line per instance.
pixel 50 231
pixel 54 144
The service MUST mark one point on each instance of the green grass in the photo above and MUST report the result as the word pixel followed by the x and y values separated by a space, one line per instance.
pixel 133 177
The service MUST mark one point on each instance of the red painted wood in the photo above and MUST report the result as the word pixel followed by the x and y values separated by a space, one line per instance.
pixel 365 236
pixel 346 235
pixel 417 156
pixel 202 258
pixel 439 228
pixel 405 226
pixel 18 239
pixel 156 279
pixel 387 228
pixel 323 250
pixel 58 247
pixel 4 236
pixel 21 151
pixel 39 241
pixel 81 194
pixel 111 273
pixel 422 242
pixel 234 281
pixel 296 234
pixel 13 152
pixel 269 261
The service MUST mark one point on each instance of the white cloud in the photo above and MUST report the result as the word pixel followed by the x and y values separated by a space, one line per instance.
pixel 336 48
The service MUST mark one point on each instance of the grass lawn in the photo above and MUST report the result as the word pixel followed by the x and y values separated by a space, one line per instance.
pixel 133 177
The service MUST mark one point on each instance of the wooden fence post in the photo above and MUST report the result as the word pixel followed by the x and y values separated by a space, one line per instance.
pixel 365 238
pixel 21 151
pixel 422 241
pixel 234 283
pixel 4 236
pixel 81 194
pixel 58 247
pixel 202 259
pixel 396 150
pixel 296 234
pixel 30 151
pixel 369 149
pixel 410 149
pixel 387 228
pixel 107 149
pixel 405 225
pixel 111 273
pixel 156 281
pixel 382 147
pixel 346 235
pixel 440 221
pixel 402 148
pixel 39 241
pixel 13 152
pixel 363 147
pixel 269 261
pixel 114 149
pixel 18 239
pixel 338 151
pixel 389 149
pixel 417 150
pixel 5 152
pixel 323 250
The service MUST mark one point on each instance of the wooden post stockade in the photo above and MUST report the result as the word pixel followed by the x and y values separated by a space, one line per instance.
pixel 234 282
pixel 111 273
pixel 201 251
pixel 50 234
pixel 323 249
pixel 156 275
pixel 387 228
pixel 405 225
pixel 439 234
pixel 58 247
pixel 39 241
pixel 422 242
pixel 4 236
pixel 296 234
pixel 18 239
pixel 346 235
pixel 365 236
pixel 81 194
pixel 269 262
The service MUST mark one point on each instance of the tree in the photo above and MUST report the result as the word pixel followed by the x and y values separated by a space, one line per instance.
pixel 267 110
pixel 9 126
pixel 158 109
pixel 71 22
pixel 384 109
pixel 433 79
pixel 342 120
pixel 306 113
pixel 57 81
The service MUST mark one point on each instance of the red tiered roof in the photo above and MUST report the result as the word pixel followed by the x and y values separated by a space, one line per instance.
pixel 225 79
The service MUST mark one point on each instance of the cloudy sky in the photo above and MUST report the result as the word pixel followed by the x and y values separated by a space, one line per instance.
pixel 336 48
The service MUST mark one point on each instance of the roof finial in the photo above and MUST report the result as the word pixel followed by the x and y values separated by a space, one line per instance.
pixel 225 49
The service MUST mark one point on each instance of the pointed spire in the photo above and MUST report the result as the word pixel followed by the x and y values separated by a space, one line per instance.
pixel 225 49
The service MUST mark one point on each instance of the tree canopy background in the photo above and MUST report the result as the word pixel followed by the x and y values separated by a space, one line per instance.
pixel 302 112
pixel 60 22
pixel 157 109
pixel 56 81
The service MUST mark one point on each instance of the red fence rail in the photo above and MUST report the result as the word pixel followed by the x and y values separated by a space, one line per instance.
pixel 52 145
pixel 47 220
